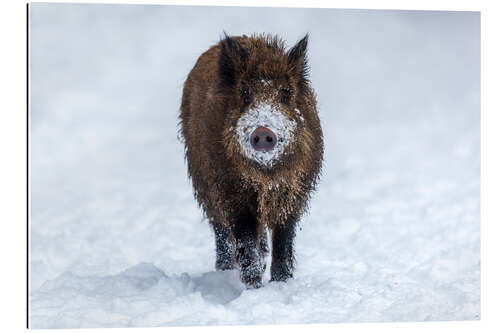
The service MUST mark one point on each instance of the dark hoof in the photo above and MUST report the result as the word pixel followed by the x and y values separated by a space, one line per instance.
pixel 253 283
pixel 280 273
pixel 281 278
pixel 223 265
pixel 251 267
pixel 252 278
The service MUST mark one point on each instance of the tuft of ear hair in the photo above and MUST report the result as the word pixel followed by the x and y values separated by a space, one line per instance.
pixel 297 59
pixel 231 59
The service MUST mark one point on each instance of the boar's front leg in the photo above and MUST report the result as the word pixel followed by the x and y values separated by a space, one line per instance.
pixel 263 248
pixel 283 259
pixel 248 256
pixel 224 247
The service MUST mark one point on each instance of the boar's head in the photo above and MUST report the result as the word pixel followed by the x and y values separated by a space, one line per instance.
pixel 271 120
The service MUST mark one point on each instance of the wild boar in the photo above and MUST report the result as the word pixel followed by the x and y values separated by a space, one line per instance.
pixel 254 149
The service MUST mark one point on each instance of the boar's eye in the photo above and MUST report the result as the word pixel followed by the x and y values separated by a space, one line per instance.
pixel 245 97
pixel 285 95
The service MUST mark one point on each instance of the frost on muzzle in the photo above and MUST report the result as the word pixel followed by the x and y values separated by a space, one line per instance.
pixel 263 133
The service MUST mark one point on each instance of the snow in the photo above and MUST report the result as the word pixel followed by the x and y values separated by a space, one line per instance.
pixel 271 117
pixel 116 238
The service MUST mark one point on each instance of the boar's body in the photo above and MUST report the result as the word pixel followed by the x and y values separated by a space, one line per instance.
pixel 242 90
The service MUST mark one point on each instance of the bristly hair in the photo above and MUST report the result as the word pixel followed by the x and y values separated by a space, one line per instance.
pixel 272 42
pixel 239 54
pixel 297 55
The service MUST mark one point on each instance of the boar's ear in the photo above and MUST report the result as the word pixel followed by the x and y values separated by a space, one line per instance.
pixel 231 60
pixel 297 60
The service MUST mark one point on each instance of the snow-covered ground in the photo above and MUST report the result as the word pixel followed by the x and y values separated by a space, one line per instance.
pixel 116 237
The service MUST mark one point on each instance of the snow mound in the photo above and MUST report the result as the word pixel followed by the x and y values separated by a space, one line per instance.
pixel 141 295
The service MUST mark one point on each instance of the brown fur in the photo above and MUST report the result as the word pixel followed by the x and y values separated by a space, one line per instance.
pixel 229 186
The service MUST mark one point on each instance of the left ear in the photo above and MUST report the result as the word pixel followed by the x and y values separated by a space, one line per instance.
pixel 297 59
pixel 232 59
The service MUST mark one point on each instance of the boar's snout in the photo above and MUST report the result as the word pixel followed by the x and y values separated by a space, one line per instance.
pixel 263 139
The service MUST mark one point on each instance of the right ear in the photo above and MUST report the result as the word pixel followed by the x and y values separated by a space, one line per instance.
pixel 298 61
pixel 232 58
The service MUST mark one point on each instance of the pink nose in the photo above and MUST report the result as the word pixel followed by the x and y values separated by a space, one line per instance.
pixel 263 139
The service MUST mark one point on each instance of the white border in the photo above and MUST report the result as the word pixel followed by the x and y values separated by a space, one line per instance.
pixel 13 164
pixel 460 5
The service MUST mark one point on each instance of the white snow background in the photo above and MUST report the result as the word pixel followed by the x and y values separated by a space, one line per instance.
pixel 116 238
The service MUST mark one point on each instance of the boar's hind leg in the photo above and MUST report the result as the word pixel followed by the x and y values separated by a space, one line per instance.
pixel 224 247
pixel 283 259
pixel 248 251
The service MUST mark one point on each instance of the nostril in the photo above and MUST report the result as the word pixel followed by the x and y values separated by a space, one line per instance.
pixel 263 139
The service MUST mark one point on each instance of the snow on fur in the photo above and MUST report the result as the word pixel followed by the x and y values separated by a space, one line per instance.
pixel 271 117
